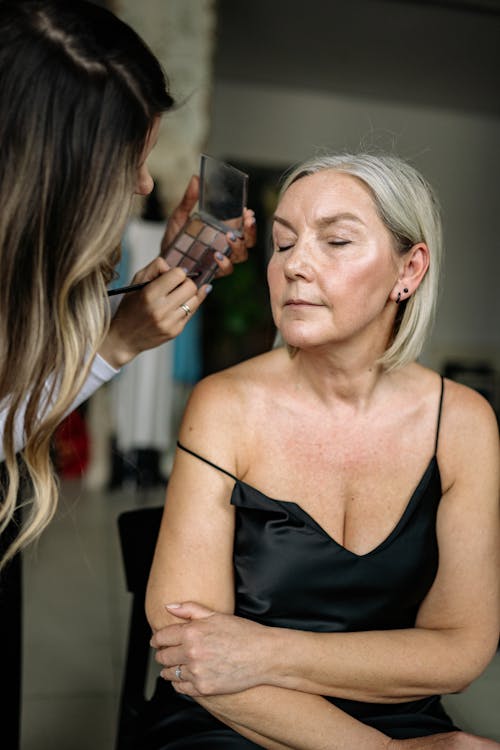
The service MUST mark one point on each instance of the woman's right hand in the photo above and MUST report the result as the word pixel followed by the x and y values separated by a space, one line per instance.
pixel 445 741
pixel 149 317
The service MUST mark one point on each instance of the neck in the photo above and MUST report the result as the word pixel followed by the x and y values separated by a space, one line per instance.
pixel 334 375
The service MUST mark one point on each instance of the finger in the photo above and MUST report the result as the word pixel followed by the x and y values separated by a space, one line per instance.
pixel 190 196
pixel 170 636
pixel 239 251
pixel 249 228
pixel 173 285
pixel 189 610
pixel 170 657
pixel 170 674
pixel 155 268
pixel 224 263
pixel 186 310
pixel 181 213
pixel 185 688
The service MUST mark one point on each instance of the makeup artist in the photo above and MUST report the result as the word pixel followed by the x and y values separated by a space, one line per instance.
pixel 327 564
pixel 81 98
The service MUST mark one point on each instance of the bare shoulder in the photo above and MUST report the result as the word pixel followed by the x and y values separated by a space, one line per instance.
pixel 222 406
pixel 469 436
pixel 466 411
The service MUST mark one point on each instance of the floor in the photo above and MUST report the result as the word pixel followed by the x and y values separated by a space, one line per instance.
pixel 75 625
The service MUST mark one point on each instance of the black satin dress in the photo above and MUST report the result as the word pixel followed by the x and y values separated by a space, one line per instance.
pixel 290 573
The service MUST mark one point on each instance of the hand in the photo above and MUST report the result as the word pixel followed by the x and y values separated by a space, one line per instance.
pixel 446 741
pixel 149 317
pixel 239 246
pixel 217 653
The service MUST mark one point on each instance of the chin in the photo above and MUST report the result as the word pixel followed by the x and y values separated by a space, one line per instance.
pixel 300 340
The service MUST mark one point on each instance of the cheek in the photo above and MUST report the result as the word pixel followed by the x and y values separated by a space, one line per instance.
pixel 274 275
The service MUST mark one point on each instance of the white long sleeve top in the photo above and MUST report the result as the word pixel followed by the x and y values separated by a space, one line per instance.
pixel 100 372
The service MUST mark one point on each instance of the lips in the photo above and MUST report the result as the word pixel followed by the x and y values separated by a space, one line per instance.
pixel 300 303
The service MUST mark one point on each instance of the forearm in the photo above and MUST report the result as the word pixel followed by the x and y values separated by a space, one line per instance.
pixel 278 718
pixel 100 372
pixel 375 666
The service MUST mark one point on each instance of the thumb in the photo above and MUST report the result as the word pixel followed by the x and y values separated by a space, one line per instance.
pixel 189 610
pixel 190 196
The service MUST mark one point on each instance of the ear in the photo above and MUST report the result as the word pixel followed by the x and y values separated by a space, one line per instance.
pixel 412 269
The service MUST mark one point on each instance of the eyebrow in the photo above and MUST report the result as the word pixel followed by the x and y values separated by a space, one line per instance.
pixel 324 221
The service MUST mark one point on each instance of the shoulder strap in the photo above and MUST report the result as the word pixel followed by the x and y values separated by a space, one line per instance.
pixel 439 415
pixel 206 461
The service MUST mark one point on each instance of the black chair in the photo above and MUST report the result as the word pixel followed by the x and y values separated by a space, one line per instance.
pixel 138 530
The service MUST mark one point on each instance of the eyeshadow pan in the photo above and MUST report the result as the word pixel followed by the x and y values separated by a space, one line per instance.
pixel 187 263
pixel 220 242
pixel 183 242
pixel 194 227
pixel 174 257
pixel 208 234
pixel 207 261
pixel 197 249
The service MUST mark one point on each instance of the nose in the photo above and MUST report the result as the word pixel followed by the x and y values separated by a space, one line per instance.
pixel 298 261
pixel 145 182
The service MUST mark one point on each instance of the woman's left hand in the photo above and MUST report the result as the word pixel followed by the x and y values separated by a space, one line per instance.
pixel 239 246
pixel 212 653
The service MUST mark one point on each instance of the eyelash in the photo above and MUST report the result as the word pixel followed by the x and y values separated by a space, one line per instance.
pixel 336 243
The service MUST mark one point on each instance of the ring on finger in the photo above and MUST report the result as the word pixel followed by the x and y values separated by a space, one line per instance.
pixel 178 673
pixel 186 308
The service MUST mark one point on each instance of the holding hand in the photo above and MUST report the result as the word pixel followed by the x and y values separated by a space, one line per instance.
pixel 239 246
pixel 158 312
pixel 155 314
pixel 211 653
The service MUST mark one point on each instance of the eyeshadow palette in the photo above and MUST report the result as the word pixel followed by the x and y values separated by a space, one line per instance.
pixel 223 192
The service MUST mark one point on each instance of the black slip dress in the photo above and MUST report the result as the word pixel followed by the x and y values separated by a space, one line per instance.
pixel 290 573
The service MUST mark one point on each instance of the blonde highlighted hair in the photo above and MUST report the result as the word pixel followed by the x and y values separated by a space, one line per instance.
pixel 79 92
pixel 409 208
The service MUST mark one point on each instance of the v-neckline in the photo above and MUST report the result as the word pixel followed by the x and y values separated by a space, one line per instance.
pixel 296 510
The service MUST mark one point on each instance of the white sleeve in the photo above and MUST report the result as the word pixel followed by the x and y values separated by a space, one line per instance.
pixel 100 373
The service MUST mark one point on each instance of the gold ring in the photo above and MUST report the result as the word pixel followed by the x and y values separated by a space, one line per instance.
pixel 186 309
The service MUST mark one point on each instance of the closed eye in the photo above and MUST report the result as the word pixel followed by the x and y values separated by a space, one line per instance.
pixel 282 248
pixel 339 242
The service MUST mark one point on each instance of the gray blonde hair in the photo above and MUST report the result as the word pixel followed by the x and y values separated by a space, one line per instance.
pixel 409 208
pixel 79 92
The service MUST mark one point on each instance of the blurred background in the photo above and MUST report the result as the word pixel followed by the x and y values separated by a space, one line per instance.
pixel 262 85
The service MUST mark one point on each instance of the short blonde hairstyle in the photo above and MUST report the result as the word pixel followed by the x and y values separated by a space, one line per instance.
pixel 409 208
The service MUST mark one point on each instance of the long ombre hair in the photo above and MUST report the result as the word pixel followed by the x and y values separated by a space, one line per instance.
pixel 79 92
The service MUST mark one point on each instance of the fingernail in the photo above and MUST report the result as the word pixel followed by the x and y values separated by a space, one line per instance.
pixel 184 269
pixel 219 256
pixel 172 606
pixel 208 288
pixel 233 236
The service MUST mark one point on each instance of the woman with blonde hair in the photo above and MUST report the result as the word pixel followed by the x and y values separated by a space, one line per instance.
pixel 327 564
pixel 81 97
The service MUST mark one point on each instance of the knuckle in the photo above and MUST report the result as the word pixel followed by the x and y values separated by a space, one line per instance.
pixel 204 687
